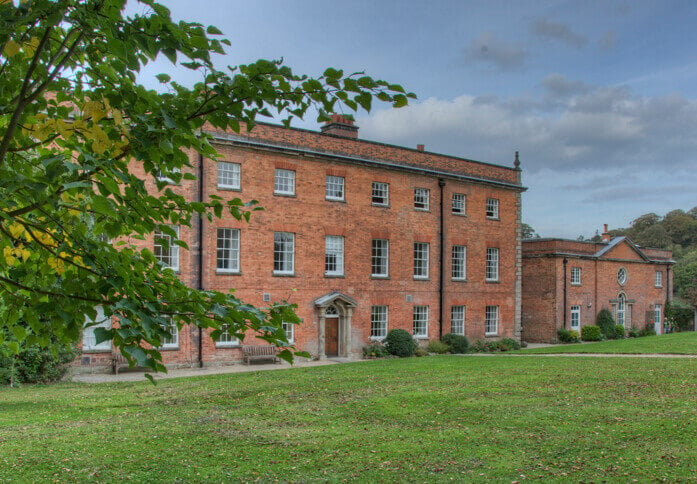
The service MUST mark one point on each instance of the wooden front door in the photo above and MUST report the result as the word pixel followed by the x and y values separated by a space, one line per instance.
pixel 331 336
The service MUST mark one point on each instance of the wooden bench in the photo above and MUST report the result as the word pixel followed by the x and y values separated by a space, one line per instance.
pixel 118 361
pixel 259 352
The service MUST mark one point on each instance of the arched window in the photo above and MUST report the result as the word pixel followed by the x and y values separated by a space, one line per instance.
pixel 331 312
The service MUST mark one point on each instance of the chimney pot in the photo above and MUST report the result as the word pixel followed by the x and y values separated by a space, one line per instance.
pixel 420 147
pixel 606 235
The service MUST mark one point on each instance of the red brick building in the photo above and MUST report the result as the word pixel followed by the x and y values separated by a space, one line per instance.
pixel 364 237
pixel 567 282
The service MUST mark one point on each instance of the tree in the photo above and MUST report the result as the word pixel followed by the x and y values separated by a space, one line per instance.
pixel 685 277
pixel 73 118
pixel 528 232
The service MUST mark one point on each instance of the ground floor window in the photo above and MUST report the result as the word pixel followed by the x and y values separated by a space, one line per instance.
pixel 89 340
pixel 491 322
pixel 226 338
pixel 171 339
pixel 457 320
pixel 289 329
pixel 420 325
pixel 378 322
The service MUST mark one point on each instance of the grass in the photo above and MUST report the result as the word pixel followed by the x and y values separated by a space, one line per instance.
pixel 672 344
pixel 417 419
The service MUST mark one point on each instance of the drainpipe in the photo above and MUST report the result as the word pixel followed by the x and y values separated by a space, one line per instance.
pixel 566 261
pixel 199 262
pixel 441 268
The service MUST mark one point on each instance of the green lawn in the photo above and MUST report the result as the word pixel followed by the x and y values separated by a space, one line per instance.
pixel 417 419
pixel 673 344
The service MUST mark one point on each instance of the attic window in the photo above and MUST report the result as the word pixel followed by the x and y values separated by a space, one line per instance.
pixel 622 276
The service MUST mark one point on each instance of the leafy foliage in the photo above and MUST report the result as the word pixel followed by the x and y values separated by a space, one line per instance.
pixel 606 323
pixel 491 346
pixel 33 363
pixel 375 350
pixel 437 347
pixel 75 127
pixel 568 335
pixel 457 343
pixel 681 317
pixel 399 342
pixel 591 332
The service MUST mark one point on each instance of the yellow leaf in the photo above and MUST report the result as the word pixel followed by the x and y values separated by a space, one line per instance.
pixel 25 254
pixel 16 230
pixel 11 48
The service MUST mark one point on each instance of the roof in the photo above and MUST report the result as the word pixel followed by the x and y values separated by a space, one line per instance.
pixel 592 250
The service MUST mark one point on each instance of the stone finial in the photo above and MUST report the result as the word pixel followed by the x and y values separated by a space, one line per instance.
pixel 516 163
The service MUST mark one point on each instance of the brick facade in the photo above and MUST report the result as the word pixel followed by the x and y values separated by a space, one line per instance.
pixel 311 216
pixel 588 272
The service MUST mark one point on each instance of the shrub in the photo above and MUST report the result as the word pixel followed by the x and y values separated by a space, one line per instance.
pixel 456 342
pixel 399 342
pixel 508 344
pixel 634 332
pixel 374 350
pixel 619 332
pixel 591 332
pixel 648 330
pixel 437 347
pixel 606 323
pixel 568 336
pixel 505 344
pixel 36 364
pixel 419 351
pixel 680 316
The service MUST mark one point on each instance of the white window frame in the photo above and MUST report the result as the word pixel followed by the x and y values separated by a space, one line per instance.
pixel 458 270
pixel 492 208
pixel 283 253
pixel 492 264
pixel 380 260
pixel 457 319
pixel 622 310
pixel 379 318
pixel 657 316
pixel 422 199
pixel 491 320
pixel 164 178
pixel 229 175
pixel 459 204
pixel 420 322
pixel 289 329
pixel 575 319
pixel 658 279
pixel 381 191
pixel 334 249
pixel 171 342
pixel 421 259
pixel 167 256
pixel 228 251
pixel 335 188
pixel 89 343
pixel 622 276
pixel 226 339
pixel 575 276
pixel 284 182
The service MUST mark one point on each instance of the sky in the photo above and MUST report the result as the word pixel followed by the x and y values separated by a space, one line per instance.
pixel 599 97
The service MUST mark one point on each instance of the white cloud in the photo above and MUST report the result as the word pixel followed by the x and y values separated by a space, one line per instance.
pixel 558 31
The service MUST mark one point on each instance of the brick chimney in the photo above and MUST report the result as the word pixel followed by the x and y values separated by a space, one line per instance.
pixel 606 235
pixel 340 126
pixel 421 147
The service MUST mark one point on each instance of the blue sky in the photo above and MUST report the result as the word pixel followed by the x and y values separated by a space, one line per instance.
pixel 599 97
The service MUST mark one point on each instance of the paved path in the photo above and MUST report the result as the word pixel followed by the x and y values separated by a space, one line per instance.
pixel 136 375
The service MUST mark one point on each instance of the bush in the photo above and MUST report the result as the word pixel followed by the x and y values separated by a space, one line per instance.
pixel 619 332
pixel 456 342
pixel 375 350
pixel 648 330
pixel 399 342
pixel 508 344
pixel 505 344
pixel 437 347
pixel 634 332
pixel 592 332
pixel 606 323
pixel 36 364
pixel 568 336
pixel 679 316
pixel 419 351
